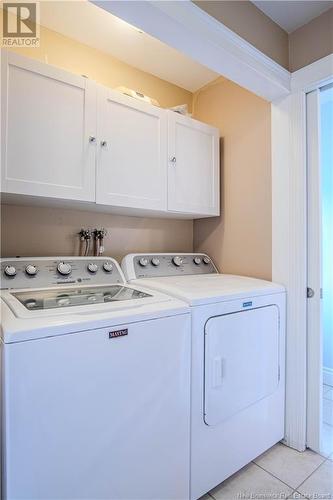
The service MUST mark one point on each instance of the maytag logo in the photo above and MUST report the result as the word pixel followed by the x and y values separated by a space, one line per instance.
pixel 118 333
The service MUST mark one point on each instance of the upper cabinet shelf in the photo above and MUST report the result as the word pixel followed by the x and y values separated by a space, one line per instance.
pixel 69 139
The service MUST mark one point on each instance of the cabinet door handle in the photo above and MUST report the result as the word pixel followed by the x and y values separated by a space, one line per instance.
pixel 92 139
pixel 173 159
pixel 104 144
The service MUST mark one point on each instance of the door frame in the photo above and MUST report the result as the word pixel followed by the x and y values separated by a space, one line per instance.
pixel 289 233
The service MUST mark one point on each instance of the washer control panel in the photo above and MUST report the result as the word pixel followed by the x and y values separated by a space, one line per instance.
pixel 160 265
pixel 45 272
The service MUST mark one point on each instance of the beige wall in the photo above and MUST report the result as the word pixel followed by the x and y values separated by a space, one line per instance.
pixel 35 231
pixel 312 41
pixel 38 231
pixel 239 240
pixel 302 47
pixel 81 59
pixel 245 19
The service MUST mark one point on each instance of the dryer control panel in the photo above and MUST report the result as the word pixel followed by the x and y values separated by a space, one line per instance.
pixel 43 272
pixel 158 265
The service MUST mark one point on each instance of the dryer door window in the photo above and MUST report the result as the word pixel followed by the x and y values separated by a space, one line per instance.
pixel 241 361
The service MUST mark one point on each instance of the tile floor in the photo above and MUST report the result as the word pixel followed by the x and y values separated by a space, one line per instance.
pixel 280 473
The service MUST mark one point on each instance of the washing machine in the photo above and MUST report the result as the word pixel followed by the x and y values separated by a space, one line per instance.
pixel 238 360
pixel 95 383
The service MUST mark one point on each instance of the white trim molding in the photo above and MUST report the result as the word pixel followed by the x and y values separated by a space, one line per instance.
pixel 316 75
pixel 186 27
pixel 289 250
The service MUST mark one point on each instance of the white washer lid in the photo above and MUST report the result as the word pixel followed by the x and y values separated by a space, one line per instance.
pixel 20 324
pixel 209 288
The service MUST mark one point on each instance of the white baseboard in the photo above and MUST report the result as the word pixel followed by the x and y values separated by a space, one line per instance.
pixel 328 376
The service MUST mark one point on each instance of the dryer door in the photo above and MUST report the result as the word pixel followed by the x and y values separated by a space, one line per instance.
pixel 241 361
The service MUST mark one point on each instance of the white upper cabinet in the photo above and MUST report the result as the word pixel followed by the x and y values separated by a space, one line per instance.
pixel 132 152
pixel 48 116
pixel 64 137
pixel 193 168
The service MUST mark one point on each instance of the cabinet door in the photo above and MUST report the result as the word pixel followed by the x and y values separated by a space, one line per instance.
pixel 193 169
pixel 48 117
pixel 132 157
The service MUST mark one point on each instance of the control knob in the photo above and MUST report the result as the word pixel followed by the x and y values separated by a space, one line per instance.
pixel 92 267
pixel 177 261
pixel 155 261
pixel 206 260
pixel 63 301
pixel 197 261
pixel 10 271
pixel 31 270
pixel 108 266
pixel 30 303
pixel 143 261
pixel 64 268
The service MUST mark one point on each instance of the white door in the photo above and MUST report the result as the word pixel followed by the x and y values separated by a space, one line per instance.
pixel 93 417
pixel 320 269
pixel 241 361
pixel 193 166
pixel 314 305
pixel 132 152
pixel 48 126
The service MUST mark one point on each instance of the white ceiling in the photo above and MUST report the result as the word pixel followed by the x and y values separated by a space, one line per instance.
pixel 290 15
pixel 87 23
